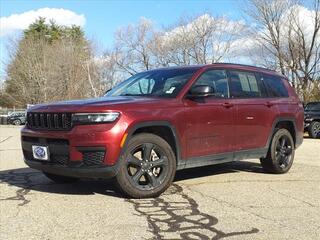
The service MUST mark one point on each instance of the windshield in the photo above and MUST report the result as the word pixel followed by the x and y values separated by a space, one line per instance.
pixel 16 114
pixel 313 106
pixel 157 83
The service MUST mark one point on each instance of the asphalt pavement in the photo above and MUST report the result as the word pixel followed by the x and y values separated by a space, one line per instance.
pixel 230 201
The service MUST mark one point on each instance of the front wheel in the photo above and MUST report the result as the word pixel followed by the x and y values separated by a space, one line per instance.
pixel 147 166
pixel 281 153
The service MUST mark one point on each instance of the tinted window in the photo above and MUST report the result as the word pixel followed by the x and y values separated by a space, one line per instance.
pixel 244 84
pixel 142 86
pixel 275 86
pixel 313 106
pixel 157 83
pixel 217 79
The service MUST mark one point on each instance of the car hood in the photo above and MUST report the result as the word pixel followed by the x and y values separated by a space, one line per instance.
pixel 97 104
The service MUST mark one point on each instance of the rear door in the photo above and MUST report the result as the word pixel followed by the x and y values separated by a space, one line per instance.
pixel 210 120
pixel 255 112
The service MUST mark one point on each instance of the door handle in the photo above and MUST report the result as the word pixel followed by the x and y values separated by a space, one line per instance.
pixel 269 104
pixel 227 105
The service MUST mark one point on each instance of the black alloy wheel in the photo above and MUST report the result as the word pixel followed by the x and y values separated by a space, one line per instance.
pixel 147 166
pixel 281 153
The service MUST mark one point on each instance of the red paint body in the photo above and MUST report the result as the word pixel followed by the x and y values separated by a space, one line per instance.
pixel 218 126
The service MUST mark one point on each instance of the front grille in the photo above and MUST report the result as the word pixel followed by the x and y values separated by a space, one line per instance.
pixel 60 159
pixel 49 121
pixel 94 158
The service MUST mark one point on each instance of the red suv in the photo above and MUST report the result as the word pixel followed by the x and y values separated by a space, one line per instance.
pixel 164 120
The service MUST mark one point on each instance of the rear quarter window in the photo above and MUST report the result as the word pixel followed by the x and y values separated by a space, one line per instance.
pixel 274 86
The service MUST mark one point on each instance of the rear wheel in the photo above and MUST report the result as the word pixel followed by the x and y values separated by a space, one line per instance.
pixel 314 129
pixel 59 178
pixel 281 153
pixel 147 166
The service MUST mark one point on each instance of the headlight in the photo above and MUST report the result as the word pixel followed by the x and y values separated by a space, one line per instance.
pixel 87 118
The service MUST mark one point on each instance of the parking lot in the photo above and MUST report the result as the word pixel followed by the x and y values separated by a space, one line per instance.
pixel 232 201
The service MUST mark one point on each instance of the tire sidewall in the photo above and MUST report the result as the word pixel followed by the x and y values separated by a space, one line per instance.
pixel 311 131
pixel 17 122
pixel 122 177
pixel 278 134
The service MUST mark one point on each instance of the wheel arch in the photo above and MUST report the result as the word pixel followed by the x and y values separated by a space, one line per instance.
pixel 163 129
pixel 287 123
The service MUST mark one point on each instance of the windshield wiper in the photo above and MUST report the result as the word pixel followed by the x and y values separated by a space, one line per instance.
pixel 136 95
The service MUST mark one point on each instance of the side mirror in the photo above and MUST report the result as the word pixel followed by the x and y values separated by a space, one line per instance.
pixel 201 91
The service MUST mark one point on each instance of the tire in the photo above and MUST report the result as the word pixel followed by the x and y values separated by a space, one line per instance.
pixel 16 122
pixel 146 167
pixel 59 178
pixel 281 153
pixel 314 129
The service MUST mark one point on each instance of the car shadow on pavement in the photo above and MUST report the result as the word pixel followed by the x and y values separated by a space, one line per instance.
pixel 173 215
pixel 238 166
pixel 176 215
pixel 29 179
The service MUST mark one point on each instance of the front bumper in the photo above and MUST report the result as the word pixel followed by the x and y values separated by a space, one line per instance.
pixel 85 151
pixel 75 171
pixel 100 142
pixel 91 164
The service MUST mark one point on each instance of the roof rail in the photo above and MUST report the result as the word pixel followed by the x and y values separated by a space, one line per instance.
pixel 245 65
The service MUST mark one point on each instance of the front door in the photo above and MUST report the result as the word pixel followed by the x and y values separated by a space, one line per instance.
pixel 210 120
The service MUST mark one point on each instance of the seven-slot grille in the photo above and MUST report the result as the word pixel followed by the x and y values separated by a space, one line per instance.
pixel 49 121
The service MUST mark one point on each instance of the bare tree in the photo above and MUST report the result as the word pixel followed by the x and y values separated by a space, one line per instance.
pixel 200 40
pixel 303 48
pixel 287 37
pixel 133 47
pixel 109 71
pixel 268 27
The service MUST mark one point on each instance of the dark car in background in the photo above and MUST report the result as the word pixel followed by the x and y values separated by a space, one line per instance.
pixel 312 119
pixel 17 118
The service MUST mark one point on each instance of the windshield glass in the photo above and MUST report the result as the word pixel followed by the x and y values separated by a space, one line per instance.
pixel 313 106
pixel 157 83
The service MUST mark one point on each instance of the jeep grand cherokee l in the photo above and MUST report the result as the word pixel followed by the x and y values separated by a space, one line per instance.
pixel 164 120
